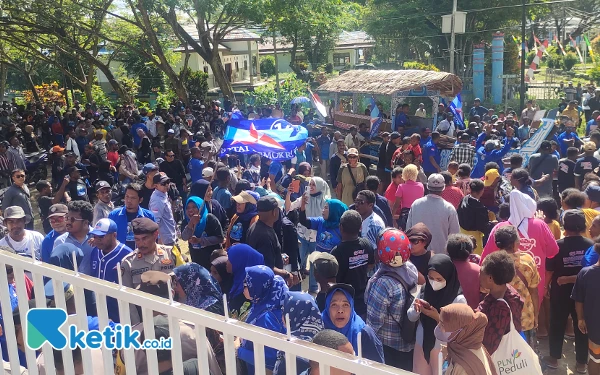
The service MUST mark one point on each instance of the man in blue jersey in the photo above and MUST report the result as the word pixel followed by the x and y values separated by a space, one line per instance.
pixel 106 257
pixel 56 217
pixel 491 151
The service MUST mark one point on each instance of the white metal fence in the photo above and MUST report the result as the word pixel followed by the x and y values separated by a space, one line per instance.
pixel 174 311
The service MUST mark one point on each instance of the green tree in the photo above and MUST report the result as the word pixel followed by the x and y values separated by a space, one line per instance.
pixel 196 84
pixel 569 60
pixel 267 94
pixel 267 65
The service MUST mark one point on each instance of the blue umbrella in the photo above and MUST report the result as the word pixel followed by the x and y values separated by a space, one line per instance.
pixel 300 99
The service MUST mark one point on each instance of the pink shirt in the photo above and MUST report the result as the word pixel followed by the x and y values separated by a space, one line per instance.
pixel 409 192
pixel 468 276
pixel 540 245
pixel 390 195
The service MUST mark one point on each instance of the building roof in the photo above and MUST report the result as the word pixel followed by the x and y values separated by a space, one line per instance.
pixel 237 35
pixel 347 39
pixel 388 82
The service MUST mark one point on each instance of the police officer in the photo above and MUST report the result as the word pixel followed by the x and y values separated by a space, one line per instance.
pixel 148 255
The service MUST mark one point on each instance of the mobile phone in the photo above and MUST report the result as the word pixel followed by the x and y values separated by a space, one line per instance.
pixel 307 190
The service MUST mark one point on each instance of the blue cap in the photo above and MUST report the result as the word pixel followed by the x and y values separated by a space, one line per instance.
pixel 49 290
pixel 149 168
pixel 104 227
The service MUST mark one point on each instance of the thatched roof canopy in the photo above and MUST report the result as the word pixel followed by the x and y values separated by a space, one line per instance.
pixel 387 82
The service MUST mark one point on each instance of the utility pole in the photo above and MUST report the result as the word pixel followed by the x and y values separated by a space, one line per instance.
pixel 276 70
pixel 453 36
pixel 522 91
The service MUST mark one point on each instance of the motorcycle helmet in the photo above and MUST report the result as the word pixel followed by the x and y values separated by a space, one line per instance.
pixel 393 247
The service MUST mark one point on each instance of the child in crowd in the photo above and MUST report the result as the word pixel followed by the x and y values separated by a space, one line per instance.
pixel 325 268
pixel 390 192
pixel 415 143
pixel 563 269
pixel 525 281
pixel 497 271
pixel 572 199
pixel 587 304
pixel 549 208
pixel 453 169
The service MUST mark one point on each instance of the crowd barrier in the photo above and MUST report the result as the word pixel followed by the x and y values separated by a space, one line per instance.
pixel 148 304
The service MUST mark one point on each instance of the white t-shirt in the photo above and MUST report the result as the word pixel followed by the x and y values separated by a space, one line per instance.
pixel 31 241
pixel 371 227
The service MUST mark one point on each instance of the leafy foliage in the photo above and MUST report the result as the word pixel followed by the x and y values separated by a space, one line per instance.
pixel 267 94
pixel 569 60
pixel 530 56
pixel 594 74
pixel 48 93
pixel 196 84
pixel 101 99
pixel 267 65
pixel 419 66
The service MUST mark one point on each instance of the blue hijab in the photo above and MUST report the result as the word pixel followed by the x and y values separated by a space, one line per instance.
pixel 201 290
pixel 355 323
pixel 336 209
pixel 250 211
pixel 203 214
pixel 266 290
pixel 305 317
pixel 241 256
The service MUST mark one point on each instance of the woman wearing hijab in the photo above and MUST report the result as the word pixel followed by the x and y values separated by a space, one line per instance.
pixel 420 238
pixel 195 287
pixel 339 315
pixel 536 238
pixel 202 230
pixel 442 289
pixel 246 215
pixel 462 330
pixel 204 191
pixel 218 270
pixel 520 180
pixel 312 204
pixel 267 293
pixel 386 298
pixel 128 169
pixel 239 257
pixel 305 323
pixel 326 223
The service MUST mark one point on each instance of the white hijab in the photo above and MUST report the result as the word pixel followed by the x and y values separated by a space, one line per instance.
pixel 522 208
pixel 315 205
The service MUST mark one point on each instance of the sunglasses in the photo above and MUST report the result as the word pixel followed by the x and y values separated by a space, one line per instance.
pixel 415 241
pixel 57 219
pixel 165 183
pixel 20 176
pixel 352 157
pixel 170 155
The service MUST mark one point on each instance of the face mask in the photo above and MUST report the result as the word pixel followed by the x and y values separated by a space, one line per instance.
pixel 442 336
pixel 437 285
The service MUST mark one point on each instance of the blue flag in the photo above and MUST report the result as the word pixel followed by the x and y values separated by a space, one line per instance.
pixel 456 109
pixel 375 118
pixel 274 138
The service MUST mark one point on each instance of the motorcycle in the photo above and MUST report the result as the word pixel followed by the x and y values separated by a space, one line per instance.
pixel 36 165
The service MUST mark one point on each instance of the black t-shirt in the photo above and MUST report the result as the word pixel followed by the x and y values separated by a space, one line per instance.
pixel 263 238
pixel 201 255
pixel 421 262
pixel 566 174
pixel 44 204
pixel 174 170
pixel 77 190
pixel 145 194
pixel 585 165
pixel 354 258
pixel 567 263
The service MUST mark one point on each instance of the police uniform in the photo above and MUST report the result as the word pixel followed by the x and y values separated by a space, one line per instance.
pixel 135 263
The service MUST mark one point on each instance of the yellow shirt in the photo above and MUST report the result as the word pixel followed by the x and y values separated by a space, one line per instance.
pixel 526 265
pixel 573 114
pixel 555 229
pixel 590 214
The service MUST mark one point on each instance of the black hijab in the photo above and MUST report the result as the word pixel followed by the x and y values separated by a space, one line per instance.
pixel 442 264
pixel 220 265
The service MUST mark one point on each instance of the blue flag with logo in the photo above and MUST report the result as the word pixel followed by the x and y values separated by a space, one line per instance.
pixel 456 109
pixel 274 138
pixel 375 118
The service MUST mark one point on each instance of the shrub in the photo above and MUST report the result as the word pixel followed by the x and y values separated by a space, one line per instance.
pixel 329 68
pixel 267 94
pixel 302 65
pixel 594 74
pixel 267 65
pixel 419 66
pixel 569 60
pixel 196 84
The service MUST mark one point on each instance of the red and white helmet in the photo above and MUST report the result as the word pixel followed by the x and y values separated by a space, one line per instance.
pixel 393 247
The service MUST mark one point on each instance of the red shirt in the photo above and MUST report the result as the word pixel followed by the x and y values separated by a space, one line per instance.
pixel 417 152
pixel 113 157
pixel 390 195
pixel 498 316
pixel 453 195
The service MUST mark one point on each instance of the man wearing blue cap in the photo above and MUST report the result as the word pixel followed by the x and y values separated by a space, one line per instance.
pixel 105 259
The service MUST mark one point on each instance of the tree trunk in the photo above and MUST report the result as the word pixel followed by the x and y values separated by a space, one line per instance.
pixel 36 96
pixel 220 76
pixel 116 85
pixel 87 89
pixel 3 75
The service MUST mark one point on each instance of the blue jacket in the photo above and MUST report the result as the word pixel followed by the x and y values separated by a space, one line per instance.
pixel 195 167
pixel 119 216
pixel 48 245
pixel 563 145
pixel 483 157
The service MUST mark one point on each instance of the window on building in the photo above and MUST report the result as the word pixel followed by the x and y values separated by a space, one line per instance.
pixel 245 64
pixel 237 67
pixel 341 59
pixel 206 69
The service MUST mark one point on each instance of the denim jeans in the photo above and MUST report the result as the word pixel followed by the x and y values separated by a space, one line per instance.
pixel 306 248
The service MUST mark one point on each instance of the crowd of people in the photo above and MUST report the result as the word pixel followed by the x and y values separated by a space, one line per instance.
pixel 419 259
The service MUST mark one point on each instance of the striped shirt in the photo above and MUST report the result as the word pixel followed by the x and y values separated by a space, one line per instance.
pixel 106 267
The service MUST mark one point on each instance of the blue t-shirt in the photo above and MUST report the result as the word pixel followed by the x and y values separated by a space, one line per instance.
pixel 195 167
pixel 136 137
pixel 48 245
pixel 276 169
pixel 324 143
pixel 561 141
pixel 223 196
pixel 308 153
pixel 430 149
pixel 327 238
pixel 590 258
